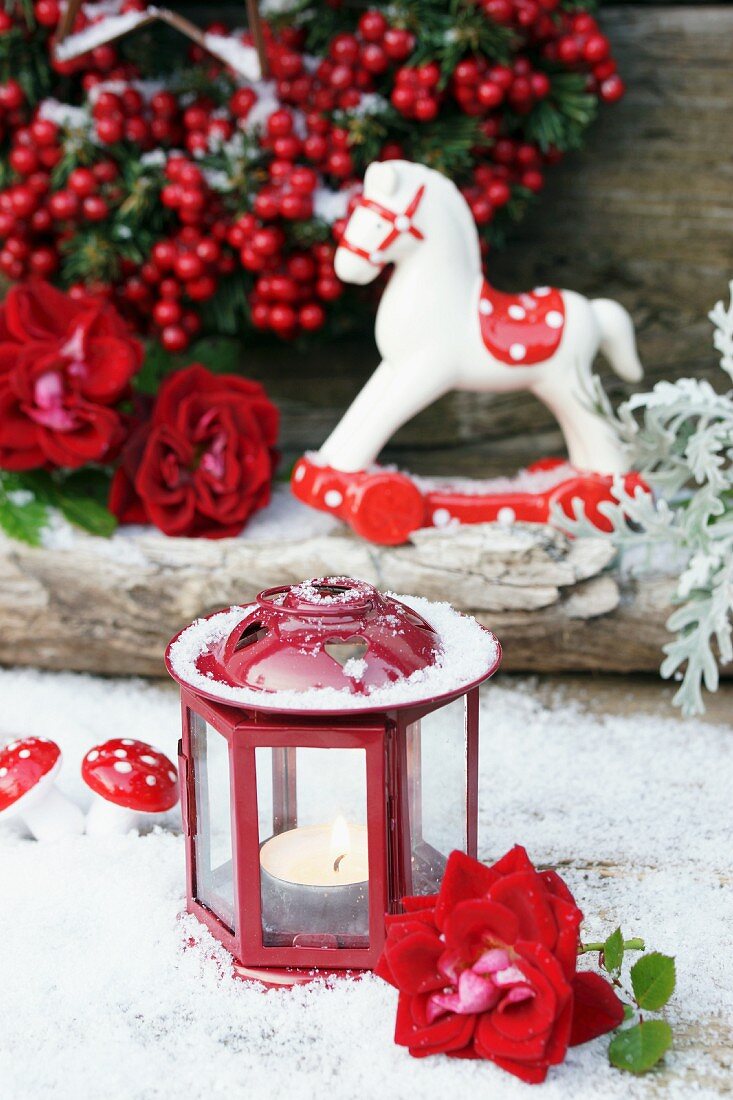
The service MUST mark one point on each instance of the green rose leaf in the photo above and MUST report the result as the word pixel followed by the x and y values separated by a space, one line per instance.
pixel 22 518
pixel 653 980
pixel 613 951
pixel 639 1048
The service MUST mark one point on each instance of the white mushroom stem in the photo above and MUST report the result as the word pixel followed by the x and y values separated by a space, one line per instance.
pixel 108 819
pixel 52 815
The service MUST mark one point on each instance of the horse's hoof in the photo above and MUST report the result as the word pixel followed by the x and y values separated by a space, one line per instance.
pixel 384 508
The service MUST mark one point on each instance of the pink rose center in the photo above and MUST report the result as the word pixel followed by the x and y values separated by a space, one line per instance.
pixel 493 981
pixel 48 407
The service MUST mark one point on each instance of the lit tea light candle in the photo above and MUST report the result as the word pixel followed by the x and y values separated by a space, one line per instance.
pixel 315 879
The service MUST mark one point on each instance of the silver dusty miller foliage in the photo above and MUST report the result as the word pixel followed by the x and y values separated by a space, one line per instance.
pixel 679 437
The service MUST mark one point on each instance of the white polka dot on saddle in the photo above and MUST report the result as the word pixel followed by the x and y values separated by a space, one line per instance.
pixel 521 329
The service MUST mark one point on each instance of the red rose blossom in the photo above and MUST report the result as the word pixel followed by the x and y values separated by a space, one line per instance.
pixel 63 363
pixel 486 969
pixel 204 461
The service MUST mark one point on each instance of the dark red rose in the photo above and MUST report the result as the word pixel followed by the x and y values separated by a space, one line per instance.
pixel 204 461
pixel 63 364
pixel 486 969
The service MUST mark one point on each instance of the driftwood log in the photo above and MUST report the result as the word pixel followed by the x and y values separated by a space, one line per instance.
pixel 111 607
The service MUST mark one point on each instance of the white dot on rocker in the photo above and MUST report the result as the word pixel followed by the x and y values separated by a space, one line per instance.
pixel 299 473
pixel 402 222
pixel 485 307
pixel 441 517
pixel 506 516
pixel 517 351
pixel 554 319
pixel 333 498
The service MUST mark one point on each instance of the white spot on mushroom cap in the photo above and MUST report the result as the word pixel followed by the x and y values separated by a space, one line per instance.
pixel 121 753
pixel 485 307
pixel 12 745
pixel 127 741
pixel 24 754
pixel 92 755
pixel 149 760
pixel 172 775
pixel 517 351
pixel 123 766
pixel 517 312
pixel 3 772
pixel 150 780
pixel 542 291
pixel 554 319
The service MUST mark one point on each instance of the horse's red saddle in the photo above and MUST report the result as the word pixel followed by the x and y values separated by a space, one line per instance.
pixel 521 329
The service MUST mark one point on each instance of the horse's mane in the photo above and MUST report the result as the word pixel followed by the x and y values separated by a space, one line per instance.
pixel 458 207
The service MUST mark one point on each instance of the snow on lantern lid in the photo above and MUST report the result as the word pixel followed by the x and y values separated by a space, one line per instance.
pixel 131 774
pixel 330 644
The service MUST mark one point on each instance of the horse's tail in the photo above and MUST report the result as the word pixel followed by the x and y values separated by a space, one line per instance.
pixel 618 341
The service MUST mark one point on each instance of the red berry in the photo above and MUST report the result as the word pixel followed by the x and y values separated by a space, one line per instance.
pixel 372 26
pixel 174 338
pixel 501 11
pixel 329 288
pixel 164 104
pixel 596 48
pixel 12 96
pixel 398 43
pixel 43 131
pixel 82 181
pixel 428 76
pixel 283 318
pixel 540 85
pixel 94 208
pixel 266 242
pixel 43 261
pixel 532 180
pixel 167 312
pixel 23 160
pixel 498 193
pixel 426 109
pixel 489 94
pixel 110 130
pixel 612 89
pixel 568 50
pixel 344 48
pixel 47 12
pixel 199 290
pixel 266 205
pixel 105 171
pixel 280 124
pixel 63 205
pixel 208 250
pixel 311 316
pixel 187 265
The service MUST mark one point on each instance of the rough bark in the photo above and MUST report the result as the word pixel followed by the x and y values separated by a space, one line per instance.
pixel 111 607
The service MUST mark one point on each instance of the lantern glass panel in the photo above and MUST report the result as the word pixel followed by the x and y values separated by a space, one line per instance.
pixel 313 846
pixel 213 881
pixel 437 786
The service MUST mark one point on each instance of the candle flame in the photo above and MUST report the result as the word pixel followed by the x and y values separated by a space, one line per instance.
pixel 340 841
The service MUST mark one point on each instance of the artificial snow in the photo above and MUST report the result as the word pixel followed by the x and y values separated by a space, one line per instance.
pixel 467 652
pixel 107 29
pixel 236 54
pixel 103 997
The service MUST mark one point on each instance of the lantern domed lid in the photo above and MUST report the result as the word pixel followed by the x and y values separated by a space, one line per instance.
pixel 321 646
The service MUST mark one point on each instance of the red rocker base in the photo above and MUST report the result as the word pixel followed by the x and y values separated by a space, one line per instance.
pixel 385 507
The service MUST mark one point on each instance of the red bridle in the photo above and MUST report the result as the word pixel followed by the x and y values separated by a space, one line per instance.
pixel 401 223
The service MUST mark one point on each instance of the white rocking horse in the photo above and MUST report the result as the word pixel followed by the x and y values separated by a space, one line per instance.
pixel 440 326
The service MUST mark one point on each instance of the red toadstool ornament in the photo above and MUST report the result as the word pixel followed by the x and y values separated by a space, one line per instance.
pixel 28 769
pixel 129 779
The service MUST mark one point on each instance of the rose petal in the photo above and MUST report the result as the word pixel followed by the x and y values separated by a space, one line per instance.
pixel 474 925
pixel 596 1008
pixel 413 962
pixel 525 894
pixel 464 878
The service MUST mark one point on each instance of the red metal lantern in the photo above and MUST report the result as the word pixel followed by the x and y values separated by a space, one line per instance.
pixel 329 765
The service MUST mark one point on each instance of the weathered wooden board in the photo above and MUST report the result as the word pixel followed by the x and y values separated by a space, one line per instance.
pixel 112 607
pixel 644 214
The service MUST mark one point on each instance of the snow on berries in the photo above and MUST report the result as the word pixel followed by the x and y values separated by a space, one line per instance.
pixel 176 197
